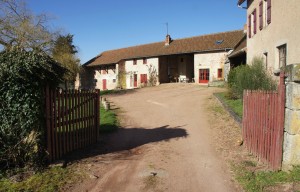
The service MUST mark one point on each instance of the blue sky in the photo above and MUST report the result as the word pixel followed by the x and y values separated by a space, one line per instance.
pixel 99 25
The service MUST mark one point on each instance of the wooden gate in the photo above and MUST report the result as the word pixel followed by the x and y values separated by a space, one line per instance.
pixel 72 120
pixel 263 124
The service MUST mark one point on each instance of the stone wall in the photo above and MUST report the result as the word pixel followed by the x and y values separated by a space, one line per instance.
pixel 291 142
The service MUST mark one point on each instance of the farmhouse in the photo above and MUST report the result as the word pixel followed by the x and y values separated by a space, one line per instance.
pixel 199 59
pixel 273 32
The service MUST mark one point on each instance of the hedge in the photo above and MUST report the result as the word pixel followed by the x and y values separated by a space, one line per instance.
pixel 23 77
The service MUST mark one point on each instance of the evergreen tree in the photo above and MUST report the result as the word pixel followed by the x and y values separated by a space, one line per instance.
pixel 64 52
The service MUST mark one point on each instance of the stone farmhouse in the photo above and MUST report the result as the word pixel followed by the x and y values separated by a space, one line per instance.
pixel 200 59
pixel 273 32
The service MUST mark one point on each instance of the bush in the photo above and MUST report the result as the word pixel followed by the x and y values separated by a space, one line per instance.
pixel 23 76
pixel 250 77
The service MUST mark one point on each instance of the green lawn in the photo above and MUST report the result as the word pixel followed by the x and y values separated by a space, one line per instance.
pixel 108 120
pixel 259 181
pixel 52 179
pixel 235 104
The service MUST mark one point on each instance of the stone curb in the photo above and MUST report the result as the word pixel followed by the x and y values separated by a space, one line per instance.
pixel 227 108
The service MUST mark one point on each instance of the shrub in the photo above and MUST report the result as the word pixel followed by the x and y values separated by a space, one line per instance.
pixel 23 75
pixel 251 77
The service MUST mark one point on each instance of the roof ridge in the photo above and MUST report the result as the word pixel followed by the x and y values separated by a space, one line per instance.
pixel 195 43
pixel 117 49
pixel 208 34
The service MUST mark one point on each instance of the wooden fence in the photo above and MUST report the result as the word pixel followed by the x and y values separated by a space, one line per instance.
pixel 263 124
pixel 72 120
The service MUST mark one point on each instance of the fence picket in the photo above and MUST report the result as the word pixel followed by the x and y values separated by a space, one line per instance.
pixel 72 120
pixel 263 124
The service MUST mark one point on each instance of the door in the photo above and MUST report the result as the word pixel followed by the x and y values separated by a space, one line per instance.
pixel 135 80
pixel 104 84
pixel 203 75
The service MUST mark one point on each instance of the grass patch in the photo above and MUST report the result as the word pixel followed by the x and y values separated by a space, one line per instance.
pixel 52 179
pixel 108 121
pixel 235 104
pixel 256 181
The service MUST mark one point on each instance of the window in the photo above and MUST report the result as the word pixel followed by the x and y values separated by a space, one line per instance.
pixel 134 61
pixel 249 26
pixel 220 73
pixel 268 11
pixel 254 21
pixel 114 80
pixel 252 24
pixel 261 19
pixel 282 55
pixel 144 61
pixel 143 78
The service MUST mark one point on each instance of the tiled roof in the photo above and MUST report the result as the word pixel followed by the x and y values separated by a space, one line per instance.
pixel 241 47
pixel 179 46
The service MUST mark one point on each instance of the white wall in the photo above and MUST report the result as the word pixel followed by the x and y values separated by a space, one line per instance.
pixel 111 79
pixel 211 61
pixel 138 69
pixel 283 29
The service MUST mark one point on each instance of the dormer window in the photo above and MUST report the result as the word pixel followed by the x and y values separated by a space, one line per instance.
pixel 219 42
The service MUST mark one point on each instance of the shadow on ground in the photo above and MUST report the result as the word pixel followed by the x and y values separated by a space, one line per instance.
pixel 128 139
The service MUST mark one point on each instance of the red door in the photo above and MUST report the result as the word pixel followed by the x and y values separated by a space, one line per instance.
pixel 203 75
pixel 135 80
pixel 104 84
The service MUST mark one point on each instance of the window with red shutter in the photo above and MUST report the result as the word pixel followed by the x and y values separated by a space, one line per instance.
pixel 261 15
pixel 220 73
pixel 249 26
pixel 269 11
pixel 143 78
pixel 254 21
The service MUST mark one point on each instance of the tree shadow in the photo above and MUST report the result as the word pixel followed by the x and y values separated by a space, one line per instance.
pixel 125 139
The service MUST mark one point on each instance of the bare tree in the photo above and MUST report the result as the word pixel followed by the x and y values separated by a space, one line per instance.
pixel 20 27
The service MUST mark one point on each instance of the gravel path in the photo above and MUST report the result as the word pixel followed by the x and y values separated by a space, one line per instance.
pixel 165 144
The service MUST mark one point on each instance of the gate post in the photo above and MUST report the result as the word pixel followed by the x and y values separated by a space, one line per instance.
pixel 48 121
pixel 291 141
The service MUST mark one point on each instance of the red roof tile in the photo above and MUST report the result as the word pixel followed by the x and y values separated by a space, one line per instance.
pixel 179 46
pixel 240 48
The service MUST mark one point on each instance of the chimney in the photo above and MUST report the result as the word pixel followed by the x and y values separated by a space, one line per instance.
pixel 168 40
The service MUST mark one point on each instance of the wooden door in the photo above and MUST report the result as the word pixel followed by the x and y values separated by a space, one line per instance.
pixel 203 75
pixel 135 80
pixel 104 84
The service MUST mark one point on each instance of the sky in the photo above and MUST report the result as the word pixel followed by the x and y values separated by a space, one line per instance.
pixel 100 25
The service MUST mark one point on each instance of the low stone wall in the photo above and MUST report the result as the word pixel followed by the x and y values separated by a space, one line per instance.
pixel 291 142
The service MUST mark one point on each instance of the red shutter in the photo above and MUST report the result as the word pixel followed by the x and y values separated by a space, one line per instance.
pixel 269 11
pixel 254 21
pixel 260 15
pixel 249 26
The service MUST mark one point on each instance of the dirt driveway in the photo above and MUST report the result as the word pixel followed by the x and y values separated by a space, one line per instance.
pixel 165 144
